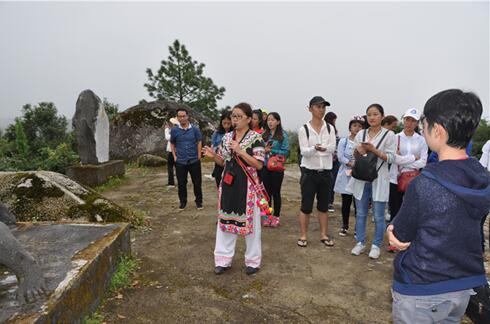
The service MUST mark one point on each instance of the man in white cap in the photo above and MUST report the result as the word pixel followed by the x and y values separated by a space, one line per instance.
pixel 410 157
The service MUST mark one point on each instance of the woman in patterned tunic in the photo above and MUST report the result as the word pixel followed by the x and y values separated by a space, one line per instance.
pixel 238 213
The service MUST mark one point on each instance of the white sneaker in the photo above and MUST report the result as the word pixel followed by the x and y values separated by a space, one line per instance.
pixel 358 249
pixel 375 252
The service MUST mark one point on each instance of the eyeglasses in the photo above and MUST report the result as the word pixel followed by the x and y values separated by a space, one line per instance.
pixel 239 117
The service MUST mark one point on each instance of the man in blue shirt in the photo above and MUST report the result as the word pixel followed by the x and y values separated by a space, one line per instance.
pixel 186 144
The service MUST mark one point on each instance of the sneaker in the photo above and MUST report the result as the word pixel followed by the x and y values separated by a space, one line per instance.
pixel 170 186
pixel 182 206
pixel 251 270
pixel 358 249
pixel 220 270
pixel 343 232
pixel 387 217
pixel 375 252
pixel 330 208
pixel 199 206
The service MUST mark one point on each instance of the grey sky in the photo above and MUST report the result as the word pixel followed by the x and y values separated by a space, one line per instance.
pixel 272 55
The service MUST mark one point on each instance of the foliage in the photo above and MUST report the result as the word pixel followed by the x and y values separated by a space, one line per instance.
pixel 111 109
pixel 481 136
pixel 112 182
pixel 122 277
pixel 95 318
pixel 42 126
pixel 58 159
pixel 38 140
pixel 181 79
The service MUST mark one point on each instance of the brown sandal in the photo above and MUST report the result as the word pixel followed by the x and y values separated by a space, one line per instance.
pixel 328 242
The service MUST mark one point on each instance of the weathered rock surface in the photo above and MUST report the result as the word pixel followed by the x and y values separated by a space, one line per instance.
pixel 91 126
pixel 50 196
pixel 150 160
pixel 140 129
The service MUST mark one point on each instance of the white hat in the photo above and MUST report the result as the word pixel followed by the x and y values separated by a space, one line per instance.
pixel 412 112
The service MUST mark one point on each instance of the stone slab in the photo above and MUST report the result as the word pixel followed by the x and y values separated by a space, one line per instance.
pixel 96 174
pixel 78 261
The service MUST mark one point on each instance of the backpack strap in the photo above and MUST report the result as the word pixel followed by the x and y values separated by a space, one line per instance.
pixel 377 147
pixel 382 138
pixel 307 132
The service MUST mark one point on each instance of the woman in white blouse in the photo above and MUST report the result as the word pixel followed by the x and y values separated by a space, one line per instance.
pixel 411 155
pixel 345 155
pixel 485 157
pixel 378 190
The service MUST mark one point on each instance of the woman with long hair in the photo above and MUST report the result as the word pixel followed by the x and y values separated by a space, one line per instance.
pixel 257 124
pixel 242 154
pixel 411 155
pixel 277 144
pixel 345 153
pixel 380 142
pixel 223 128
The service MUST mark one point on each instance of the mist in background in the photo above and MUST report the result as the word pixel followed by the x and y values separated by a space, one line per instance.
pixel 273 55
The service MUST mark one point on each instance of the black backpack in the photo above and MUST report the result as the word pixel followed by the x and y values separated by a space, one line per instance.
pixel 365 165
pixel 308 138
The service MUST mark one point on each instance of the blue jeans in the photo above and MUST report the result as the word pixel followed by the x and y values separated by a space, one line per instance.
pixel 361 216
pixel 442 308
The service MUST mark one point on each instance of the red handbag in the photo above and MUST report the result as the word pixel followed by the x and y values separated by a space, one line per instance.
pixel 405 178
pixel 276 163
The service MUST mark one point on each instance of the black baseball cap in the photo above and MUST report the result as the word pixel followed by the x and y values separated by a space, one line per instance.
pixel 318 100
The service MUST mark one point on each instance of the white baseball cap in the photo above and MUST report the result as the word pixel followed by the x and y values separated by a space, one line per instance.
pixel 412 112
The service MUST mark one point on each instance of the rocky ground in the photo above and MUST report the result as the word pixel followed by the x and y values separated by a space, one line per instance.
pixel 176 283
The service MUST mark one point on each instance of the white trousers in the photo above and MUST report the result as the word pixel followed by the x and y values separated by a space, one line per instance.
pixel 225 245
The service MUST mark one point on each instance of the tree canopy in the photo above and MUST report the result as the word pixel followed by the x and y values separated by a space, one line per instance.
pixel 181 79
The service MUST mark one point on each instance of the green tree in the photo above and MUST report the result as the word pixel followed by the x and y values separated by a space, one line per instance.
pixel 181 79
pixel 42 126
pixel 481 136
pixel 111 109
pixel 21 145
pixel 38 140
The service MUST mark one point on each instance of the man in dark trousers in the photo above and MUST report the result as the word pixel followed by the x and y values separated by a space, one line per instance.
pixel 186 144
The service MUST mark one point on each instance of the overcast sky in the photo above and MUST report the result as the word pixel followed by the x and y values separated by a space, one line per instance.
pixel 272 55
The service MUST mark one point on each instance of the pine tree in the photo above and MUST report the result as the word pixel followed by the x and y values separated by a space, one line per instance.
pixel 182 80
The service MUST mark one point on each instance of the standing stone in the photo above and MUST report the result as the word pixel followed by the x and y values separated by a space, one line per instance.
pixel 91 126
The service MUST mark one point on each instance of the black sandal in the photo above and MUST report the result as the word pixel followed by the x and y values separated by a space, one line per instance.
pixel 302 243
pixel 328 242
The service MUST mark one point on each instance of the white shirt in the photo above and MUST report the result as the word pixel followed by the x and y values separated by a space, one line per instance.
pixel 380 185
pixel 410 146
pixel 485 157
pixel 167 137
pixel 313 159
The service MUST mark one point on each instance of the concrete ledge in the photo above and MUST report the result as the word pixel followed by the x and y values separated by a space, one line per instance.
pixel 78 261
pixel 96 174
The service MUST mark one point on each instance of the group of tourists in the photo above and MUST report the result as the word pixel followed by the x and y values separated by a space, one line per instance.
pixel 431 208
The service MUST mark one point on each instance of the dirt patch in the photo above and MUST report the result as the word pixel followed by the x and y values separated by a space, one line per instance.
pixel 176 282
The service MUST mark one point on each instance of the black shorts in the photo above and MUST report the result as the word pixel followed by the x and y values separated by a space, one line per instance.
pixel 315 183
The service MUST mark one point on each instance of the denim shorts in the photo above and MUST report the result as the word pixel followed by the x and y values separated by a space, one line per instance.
pixel 442 308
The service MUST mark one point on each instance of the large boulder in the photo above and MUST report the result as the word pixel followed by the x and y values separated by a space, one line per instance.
pixel 91 126
pixel 51 196
pixel 149 160
pixel 140 129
